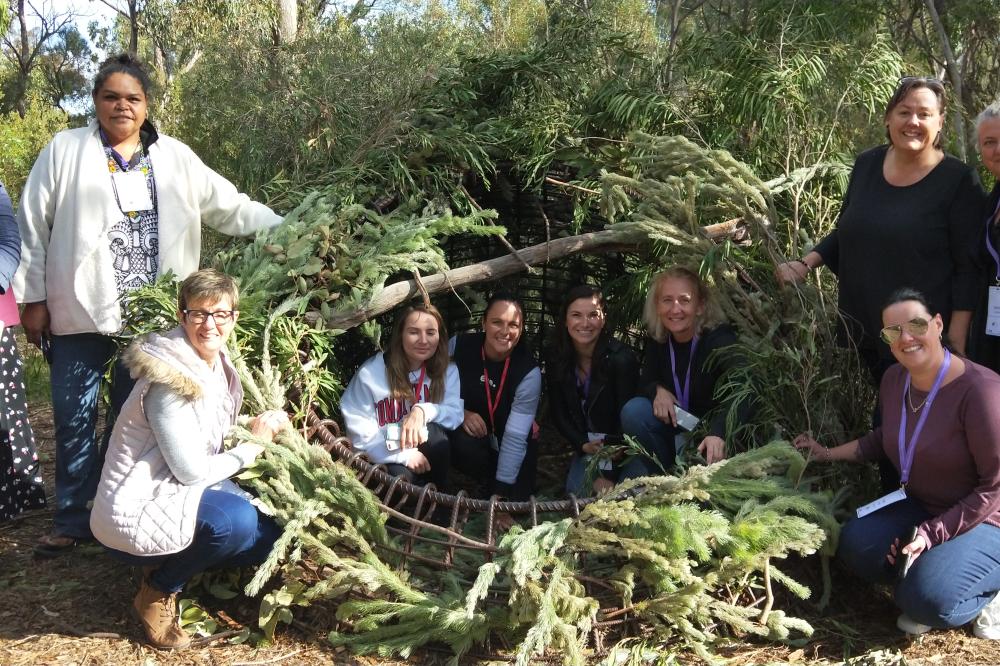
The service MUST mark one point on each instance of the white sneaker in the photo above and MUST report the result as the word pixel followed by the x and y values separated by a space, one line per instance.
pixel 987 625
pixel 911 626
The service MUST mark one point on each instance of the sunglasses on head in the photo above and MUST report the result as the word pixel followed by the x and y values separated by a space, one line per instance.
pixel 916 326
pixel 927 81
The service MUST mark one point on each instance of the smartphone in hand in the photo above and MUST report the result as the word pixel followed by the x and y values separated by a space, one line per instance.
pixel 903 560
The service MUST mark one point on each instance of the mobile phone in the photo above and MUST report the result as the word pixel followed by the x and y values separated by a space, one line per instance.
pixel 903 560
pixel 685 419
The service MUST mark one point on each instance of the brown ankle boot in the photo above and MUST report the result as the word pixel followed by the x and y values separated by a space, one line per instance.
pixel 158 614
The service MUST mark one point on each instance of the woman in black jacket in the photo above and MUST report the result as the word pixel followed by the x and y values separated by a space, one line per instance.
pixel 591 376
pixel 677 382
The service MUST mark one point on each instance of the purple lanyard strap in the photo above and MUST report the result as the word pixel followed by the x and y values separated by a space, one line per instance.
pixel 908 449
pixel 683 395
pixel 989 245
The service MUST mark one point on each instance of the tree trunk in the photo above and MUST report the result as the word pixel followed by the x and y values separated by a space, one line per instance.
pixel 288 21
pixel 955 74
pixel 394 294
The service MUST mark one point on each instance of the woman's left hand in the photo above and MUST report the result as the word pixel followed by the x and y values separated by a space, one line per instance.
pixel 268 423
pixel 411 430
pixel 713 449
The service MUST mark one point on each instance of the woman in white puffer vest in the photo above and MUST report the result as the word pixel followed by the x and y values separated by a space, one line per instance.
pixel 165 501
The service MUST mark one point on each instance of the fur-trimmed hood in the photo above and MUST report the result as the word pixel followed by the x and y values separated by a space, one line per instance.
pixel 170 359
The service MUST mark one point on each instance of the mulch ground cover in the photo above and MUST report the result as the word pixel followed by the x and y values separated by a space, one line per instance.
pixel 75 610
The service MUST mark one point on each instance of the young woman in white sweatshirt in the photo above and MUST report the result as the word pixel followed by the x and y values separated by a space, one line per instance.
pixel 401 402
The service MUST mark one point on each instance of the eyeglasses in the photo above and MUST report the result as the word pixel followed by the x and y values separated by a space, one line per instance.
pixel 916 326
pixel 220 317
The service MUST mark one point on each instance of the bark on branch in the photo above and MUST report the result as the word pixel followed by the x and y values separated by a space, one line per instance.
pixel 592 243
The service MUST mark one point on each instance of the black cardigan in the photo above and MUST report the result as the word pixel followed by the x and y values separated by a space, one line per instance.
pixel 614 375
pixel 925 235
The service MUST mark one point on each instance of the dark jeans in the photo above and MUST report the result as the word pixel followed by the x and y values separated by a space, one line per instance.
pixel 655 436
pixel 947 585
pixel 437 452
pixel 78 366
pixel 229 532
pixel 474 457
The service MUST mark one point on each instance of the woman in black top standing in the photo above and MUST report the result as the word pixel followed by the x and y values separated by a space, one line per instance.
pixel 501 386
pixel 685 329
pixel 984 338
pixel 910 217
pixel 590 378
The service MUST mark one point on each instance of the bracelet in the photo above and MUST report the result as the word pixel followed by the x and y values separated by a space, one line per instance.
pixel 802 261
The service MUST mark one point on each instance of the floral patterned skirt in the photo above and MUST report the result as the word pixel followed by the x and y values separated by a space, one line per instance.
pixel 21 485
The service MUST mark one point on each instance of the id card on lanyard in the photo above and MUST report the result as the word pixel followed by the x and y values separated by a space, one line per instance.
pixel 993 305
pixel 131 191
pixel 908 447
pixel 682 393
pixel 491 405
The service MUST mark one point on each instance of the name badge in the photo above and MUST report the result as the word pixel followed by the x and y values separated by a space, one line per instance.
pixel 897 495
pixel 993 312
pixel 392 436
pixel 494 442
pixel 133 195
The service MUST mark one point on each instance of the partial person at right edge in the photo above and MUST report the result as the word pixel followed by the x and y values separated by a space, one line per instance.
pixel 108 208
pixel 984 338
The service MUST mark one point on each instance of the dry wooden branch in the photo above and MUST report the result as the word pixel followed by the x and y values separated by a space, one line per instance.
pixel 612 240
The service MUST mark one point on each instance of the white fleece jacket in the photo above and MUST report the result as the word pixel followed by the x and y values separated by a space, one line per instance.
pixel 68 207
pixel 367 409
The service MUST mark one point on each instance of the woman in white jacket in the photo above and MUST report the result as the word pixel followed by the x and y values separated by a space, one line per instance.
pixel 401 403
pixel 106 209
pixel 165 501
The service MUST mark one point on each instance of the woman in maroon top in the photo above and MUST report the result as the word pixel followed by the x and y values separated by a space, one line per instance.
pixel 941 430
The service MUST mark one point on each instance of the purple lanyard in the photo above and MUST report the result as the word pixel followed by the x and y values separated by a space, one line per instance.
pixel 583 389
pixel 907 449
pixel 989 245
pixel 683 395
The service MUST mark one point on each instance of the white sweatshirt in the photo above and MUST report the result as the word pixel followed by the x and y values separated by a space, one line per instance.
pixel 367 409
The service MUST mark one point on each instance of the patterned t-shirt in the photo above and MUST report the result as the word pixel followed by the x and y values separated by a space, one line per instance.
pixel 135 238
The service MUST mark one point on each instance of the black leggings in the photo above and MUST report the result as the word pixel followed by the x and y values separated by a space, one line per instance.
pixel 475 457
pixel 438 453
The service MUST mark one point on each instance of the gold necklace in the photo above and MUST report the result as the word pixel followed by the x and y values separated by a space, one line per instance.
pixel 909 399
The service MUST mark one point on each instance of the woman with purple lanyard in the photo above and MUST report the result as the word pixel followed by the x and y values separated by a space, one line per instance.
pixel 984 335
pixel 107 209
pixel 676 398
pixel 940 428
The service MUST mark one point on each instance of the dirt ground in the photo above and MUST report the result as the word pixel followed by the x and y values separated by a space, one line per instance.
pixel 74 610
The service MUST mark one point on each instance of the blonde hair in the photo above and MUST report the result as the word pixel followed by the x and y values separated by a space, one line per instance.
pixel 397 367
pixel 711 314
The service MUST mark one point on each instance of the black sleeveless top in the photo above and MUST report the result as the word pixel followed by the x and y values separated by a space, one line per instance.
pixel 469 360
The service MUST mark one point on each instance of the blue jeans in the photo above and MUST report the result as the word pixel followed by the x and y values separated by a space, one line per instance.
pixel 78 366
pixel 947 585
pixel 655 436
pixel 229 532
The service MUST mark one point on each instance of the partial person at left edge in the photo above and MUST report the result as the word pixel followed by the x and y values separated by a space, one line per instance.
pixel 106 209
pixel 21 487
